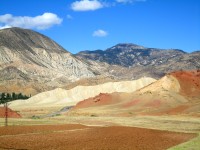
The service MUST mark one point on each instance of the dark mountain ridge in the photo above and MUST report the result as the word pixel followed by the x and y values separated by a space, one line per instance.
pixel 131 59
pixel 127 55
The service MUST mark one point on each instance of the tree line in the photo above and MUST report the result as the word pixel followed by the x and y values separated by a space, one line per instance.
pixel 7 97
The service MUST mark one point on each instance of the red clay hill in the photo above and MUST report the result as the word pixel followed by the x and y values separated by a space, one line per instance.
pixel 189 82
pixel 177 93
pixel 11 113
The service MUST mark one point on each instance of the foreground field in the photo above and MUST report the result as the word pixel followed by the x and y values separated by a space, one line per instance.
pixel 91 131
pixel 88 137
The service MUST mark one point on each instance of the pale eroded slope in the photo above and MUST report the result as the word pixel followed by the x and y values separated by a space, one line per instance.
pixel 60 97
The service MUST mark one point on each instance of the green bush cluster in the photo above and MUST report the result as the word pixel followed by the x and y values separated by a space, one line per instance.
pixel 7 97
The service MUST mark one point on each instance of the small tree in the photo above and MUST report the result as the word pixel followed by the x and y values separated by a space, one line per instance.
pixel 20 96
pixel 14 96
pixel 8 97
pixel 3 98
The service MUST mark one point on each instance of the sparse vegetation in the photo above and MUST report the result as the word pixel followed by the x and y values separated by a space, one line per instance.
pixel 7 97
pixel 35 117
pixel 193 144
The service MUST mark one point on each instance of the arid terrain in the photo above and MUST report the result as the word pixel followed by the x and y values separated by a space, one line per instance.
pixel 11 113
pixel 125 97
pixel 159 115
pixel 177 93
pixel 88 138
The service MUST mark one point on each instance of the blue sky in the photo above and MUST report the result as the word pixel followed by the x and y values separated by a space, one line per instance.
pixel 99 24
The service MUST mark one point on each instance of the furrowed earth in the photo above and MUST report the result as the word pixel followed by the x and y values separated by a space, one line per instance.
pixel 88 138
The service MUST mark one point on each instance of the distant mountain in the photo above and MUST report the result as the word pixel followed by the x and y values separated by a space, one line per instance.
pixel 134 61
pixel 131 55
pixel 31 62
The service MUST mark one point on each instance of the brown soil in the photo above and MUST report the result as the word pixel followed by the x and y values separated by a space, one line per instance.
pixel 189 82
pixel 170 111
pixel 132 103
pixel 76 137
pixel 90 81
pixel 154 103
pixel 101 99
pixel 177 110
pixel 11 113
pixel 162 97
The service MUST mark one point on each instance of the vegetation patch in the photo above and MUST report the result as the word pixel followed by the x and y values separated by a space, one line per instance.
pixel 7 97
pixel 193 144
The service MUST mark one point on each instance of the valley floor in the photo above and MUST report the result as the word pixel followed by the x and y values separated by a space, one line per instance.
pixel 75 136
pixel 91 132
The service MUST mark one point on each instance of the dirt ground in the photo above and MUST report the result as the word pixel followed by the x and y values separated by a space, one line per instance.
pixel 80 137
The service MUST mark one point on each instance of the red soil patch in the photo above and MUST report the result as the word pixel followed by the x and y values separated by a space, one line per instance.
pixel 67 137
pixel 131 103
pixel 154 103
pixel 177 110
pixel 15 130
pixel 173 111
pixel 101 99
pixel 189 82
pixel 11 113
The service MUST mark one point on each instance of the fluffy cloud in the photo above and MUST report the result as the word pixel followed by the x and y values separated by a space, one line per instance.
pixel 86 5
pixel 41 22
pixel 100 33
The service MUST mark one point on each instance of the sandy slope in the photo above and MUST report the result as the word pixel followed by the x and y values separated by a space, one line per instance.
pixel 167 96
pixel 60 97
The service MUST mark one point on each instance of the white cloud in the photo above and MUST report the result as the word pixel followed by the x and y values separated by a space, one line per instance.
pixel 69 17
pixel 5 27
pixel 86 5
pixel 100 33
pixel 41 22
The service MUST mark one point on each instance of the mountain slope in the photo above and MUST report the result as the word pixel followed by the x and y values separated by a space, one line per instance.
pixel 133 61
pixel 130 55
pixel 30 59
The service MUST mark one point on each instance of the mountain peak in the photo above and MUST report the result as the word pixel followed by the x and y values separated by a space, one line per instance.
pixel 18 39
pixel 30 59
pixel 127 46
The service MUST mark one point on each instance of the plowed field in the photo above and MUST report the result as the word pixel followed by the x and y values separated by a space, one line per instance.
pixel 72 137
